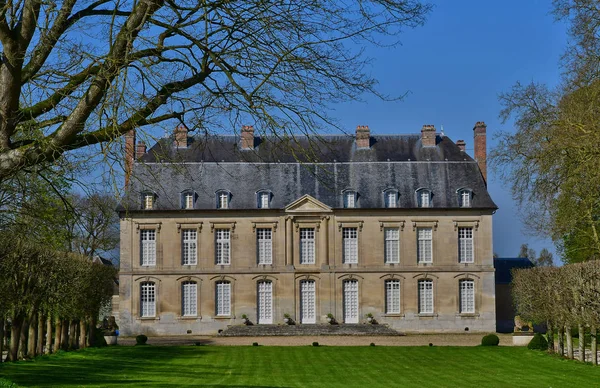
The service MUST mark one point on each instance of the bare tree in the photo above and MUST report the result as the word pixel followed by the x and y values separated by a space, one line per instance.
pixel 78 73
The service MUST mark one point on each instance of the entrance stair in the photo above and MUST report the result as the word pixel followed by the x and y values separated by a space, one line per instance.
pixel 308 330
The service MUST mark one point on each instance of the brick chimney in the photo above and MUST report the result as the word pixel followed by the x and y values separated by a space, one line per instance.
pixel 479 135
pixel 363 136
pixel 247 139
pixel 181 136
pixel 140 149
pixel 428 136
pixel 461 145
pixel 129 154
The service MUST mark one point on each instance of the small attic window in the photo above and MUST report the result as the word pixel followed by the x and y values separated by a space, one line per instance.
pixel 263 199
pixel 148 200
pixel 464 197
pixel 390 197
pixel 424 197
pixel 188 199
pixel 349 199
pixel 223 198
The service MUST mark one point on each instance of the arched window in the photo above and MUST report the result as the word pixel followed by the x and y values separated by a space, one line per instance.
pixel 425 296
pixel 350 197
pixel 464 197
pixel 188 199
pixel 424 198
pixel 390 198
pixel 467 296
pixel 263 199
pixel 392 296
pixel 147 299
pixel 189 299
pixel 223 298
pixel 148 200
pixel 223 199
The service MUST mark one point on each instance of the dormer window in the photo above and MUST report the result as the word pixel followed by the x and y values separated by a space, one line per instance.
pixel 188 198
pixel 464 197
pixel 263 199
pixel 424 197
pixel 148 200
pixel 349 199
pixel 390 197
pixel 223 197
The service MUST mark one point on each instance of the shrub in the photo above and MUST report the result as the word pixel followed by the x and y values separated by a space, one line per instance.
pixel 315 344
pixel 372 344
pixel 141 339
pixel 98 340
pixel 490 340
pixel 538 342
pixel 254 343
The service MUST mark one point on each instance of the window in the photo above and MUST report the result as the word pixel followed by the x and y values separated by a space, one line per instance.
pixel 189 299
pixel 425 297
pixel 223 299
pixel 264 246
pixel 391 198
pixel 189 246
pixel 222 246
pixel 350 242
pixel 392 297
pixel 148 248
pixel 148 299
pixel 464 198
pixel 467 296
pixel 349 199
pixel 392 245
pixel 223 199
pixel 424 198
pixel 187 200
pixel 264 197
pixel 307 246
pixel 147 201
pixel 465 245
pixel 424 246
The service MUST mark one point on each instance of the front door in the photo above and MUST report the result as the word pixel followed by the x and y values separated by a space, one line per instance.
pixel 265 303
pixel 351 301
pixel 308 312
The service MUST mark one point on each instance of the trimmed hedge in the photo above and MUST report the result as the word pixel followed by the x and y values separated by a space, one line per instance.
pixel 490 340
pixel 538 342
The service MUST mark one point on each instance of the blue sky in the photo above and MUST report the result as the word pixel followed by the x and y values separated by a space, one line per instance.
pixel 453 69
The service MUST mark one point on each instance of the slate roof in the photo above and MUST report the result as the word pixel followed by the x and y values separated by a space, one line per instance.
pixel 321 166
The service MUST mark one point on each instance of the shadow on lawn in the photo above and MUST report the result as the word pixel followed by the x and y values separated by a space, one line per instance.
pixel 116 366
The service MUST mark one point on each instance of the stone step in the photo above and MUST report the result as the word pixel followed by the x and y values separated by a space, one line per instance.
pixel 308 330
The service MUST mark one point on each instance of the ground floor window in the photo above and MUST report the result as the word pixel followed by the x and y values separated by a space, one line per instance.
pixel 392 297
pixel 148 299
pixel 425 297
pixel 223 299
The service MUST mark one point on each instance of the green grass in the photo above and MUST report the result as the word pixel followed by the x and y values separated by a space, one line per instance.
pixel 248 366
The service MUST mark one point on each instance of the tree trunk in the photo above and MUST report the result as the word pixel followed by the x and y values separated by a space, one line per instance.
pixel 550 335
pixel 32 336
pixel 40 334
pixel 594 345
pixel 58 336
pixel 23 339
pixel 561 341
pixel 581 331
pixel 1 339
pixel 92 329
pixel 569 342
pixel 83 334
pixel 49 334
pixel 64 344
pixel 15 335
pixel 72 333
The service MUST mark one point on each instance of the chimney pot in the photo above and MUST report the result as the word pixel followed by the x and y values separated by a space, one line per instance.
pixel 480 139
pixel 461 145
pixel 428 135
pixel 247 138
pixel 140 150
pixel 363 136
pixel 181 136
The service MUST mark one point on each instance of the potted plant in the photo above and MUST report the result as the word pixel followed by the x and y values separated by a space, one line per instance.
pixel 287 318
pixel 110 330
pixel 330 318
pixel 245 319
pixel 370 318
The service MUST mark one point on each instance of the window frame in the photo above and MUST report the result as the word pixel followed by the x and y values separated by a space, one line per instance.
pixel 144 304
pixel 390 193
pixel 466 241
pixel 193 304
pixel 259 199
pixel 219 194
pixel 145 195
pixel 422 287
pixel 308 242
pixel 461 298
pixel 386 241
pixel 263 259
pixel 424 193
pixel 388 290
pixel 350 245
pixel 148 261
pixel 222 259
pixel 193 256
pixel 420 250
pixel 220 310
pixel 462 192
pixel 184 199
pixel 346 195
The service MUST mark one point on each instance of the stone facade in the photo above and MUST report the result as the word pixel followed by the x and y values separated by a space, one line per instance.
pixel 286 273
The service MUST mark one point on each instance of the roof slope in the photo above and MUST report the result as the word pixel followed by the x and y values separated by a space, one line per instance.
pixel 288 168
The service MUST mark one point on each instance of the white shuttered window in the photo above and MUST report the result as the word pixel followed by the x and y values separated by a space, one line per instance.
pixel 148 248
pixel 148 299
pixel 467 296
pixel 350 241
pixel 425 297
pixel 392 245
pixel 189 302
pixel 392 297
pixel 465 245
pixel 264 246
pixel 307 246
pixel 222 246
pixel 424 247
pixel 223 299
pixel 189 246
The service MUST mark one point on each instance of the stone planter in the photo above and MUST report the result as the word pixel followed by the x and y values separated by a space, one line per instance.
pixel 522 339
pixel 286 320
pixel 110 339
pixel 370 319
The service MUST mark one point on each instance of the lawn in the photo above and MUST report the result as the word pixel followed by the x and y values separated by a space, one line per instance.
pixel 220 366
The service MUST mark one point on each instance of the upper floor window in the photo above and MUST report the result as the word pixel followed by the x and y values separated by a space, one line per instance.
pixel 350 242
pixel 349 199
pixel 263 199
pixel 222 246
pixel 465 245
pixel 187 199
pixel 467 296
pixel 424 245
pixel 189 245
pixel 264 244
pixel 391 198
pixel 148 200
pixel 223 198
pixel 424 197
pixel 307 246
pixel 464 197
pixel 148 247
pixel 392 245
pixel 148 299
